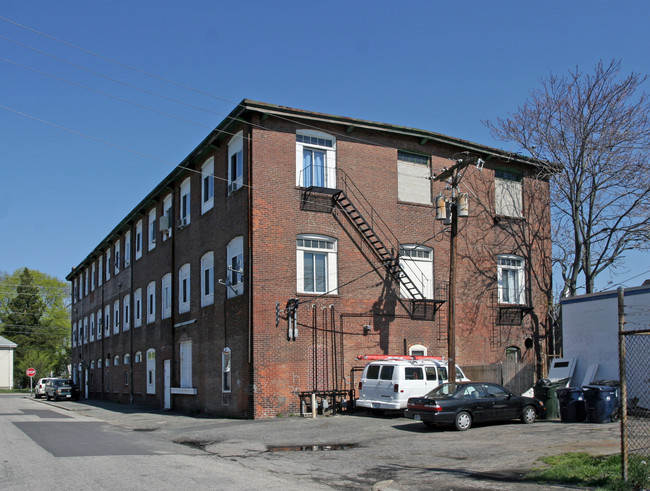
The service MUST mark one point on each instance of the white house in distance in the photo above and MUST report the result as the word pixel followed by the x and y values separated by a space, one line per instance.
pixel 590 337
pixel 7 363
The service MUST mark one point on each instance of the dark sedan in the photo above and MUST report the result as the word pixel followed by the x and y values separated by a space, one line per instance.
pixel 462 404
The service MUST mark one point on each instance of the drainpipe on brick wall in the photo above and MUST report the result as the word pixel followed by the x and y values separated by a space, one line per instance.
pixel 132 318
pixel 103 334
pixel 250 246
pixel 172 370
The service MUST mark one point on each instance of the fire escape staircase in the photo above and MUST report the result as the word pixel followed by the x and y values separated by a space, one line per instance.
pixel 386 251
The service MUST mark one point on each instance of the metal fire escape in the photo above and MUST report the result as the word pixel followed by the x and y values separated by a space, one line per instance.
pixel 377 235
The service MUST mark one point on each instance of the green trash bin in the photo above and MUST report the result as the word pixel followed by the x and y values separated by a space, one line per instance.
pixel 545 391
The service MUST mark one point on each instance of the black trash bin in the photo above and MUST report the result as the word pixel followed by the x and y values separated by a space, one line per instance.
pixel 546 391
pixel 572 404
pixel 602 403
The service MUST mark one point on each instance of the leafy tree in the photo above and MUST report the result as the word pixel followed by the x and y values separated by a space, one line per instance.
pixel 34 314
pixel 591 133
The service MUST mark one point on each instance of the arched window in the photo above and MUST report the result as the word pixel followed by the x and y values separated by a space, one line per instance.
pixel 315 159
pixel 510 278
pixel 417 263
pixel 316 264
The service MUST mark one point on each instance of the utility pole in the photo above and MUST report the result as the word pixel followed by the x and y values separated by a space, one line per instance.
pixel 449 210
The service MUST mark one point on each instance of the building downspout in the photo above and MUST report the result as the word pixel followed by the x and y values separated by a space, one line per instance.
pixel 172 316
pixel 132 317
pixel 103 333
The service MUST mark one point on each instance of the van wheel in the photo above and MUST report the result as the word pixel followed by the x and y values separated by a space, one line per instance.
pixel 463 421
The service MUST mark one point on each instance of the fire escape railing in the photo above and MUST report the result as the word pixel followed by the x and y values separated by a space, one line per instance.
pixel 378 236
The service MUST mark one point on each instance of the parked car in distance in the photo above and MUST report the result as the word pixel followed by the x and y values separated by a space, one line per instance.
pixel 39 389
pixel 465 403
pixel 61 388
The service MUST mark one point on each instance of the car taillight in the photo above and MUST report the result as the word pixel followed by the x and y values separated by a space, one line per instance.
pixel 396 388
pixel 435 407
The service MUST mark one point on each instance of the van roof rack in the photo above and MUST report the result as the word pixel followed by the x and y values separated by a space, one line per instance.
pixel 398 357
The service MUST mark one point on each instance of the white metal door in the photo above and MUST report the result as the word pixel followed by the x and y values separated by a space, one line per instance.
pixel 167 390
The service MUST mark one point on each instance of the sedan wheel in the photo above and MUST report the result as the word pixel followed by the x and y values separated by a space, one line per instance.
pixel 463 421
pixel 528 415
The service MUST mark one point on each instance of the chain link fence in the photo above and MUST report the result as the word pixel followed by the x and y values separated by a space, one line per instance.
pixel 635 402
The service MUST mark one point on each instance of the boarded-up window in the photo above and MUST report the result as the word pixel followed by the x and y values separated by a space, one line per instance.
pixel 507 194
pixel 413 178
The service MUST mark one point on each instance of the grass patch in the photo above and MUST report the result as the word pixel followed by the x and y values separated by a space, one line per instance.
pixel 582 469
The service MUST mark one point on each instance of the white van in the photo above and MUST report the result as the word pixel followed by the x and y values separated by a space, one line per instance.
pixel 389 382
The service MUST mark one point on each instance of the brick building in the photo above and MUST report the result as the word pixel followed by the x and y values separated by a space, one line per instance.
pixel 289 242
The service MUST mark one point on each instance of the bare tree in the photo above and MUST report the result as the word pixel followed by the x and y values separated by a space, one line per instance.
pixel 591 133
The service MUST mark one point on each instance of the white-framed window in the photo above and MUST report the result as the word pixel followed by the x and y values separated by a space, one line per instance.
pixel 91 328
pixel 413 178
pixel 185 202
pixel 235 266
pixel 99 363
pixel 107 321
pixel 116 360
pixel 85 336
pixel 316 264
pixel 236 162
pixel 127 313
pixel 151 302
pixel 107 363
pixel 74 334
pixel 116 317
pixel 207 185
pixel 138 240
pixel 226 370
pixel 86 280
pixel 126 359
pixel 184 288
pixel 166 226
pixel 93 271
pixel 151 371
pixel 511 279
pixel 138 357
pixel 207 279
pixel 166 295
pixel 108 264
pixel 92 364
pixel 315 159
pixel 100 272
pixel 508 193
pixel 99 324
pixel 137 306
pixel 417 262
pixel 185 349
pixel 118 255
pixel 127 249
pixel 418 350
pixel 152 229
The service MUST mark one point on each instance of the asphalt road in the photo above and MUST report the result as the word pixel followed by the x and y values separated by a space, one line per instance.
pixel 112 446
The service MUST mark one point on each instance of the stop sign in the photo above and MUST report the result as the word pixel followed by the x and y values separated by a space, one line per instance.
pixel 30 372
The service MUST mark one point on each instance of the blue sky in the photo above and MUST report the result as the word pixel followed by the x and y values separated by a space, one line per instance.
pixel 444 67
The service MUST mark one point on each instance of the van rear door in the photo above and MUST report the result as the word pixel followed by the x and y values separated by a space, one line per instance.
pixel 377 385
